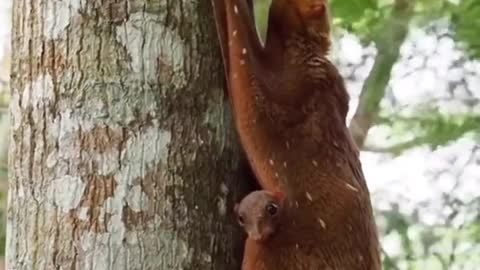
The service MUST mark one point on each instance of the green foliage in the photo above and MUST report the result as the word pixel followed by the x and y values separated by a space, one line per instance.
pixel 261 16
pixel 361 17
pixel 466 21
pixel 427 11
pixel 435 246
pixel 352 11
pixel 429 128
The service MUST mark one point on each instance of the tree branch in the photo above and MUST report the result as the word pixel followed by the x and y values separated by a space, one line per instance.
pixel 397 148
pixel 388 45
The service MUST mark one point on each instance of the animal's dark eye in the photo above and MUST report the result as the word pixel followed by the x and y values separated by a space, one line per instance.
pixel 272 209
pixel 240 220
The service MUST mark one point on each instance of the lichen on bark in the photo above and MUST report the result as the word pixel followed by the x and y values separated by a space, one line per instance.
pixel 123 155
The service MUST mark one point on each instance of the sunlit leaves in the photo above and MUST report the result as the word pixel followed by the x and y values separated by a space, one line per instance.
pixel 351 12
pixel 466 22
pixel 261 16
pixel 429 129
pixel 360 17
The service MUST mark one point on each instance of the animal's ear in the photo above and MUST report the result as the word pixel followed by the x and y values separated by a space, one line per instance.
pixel 279 195
pixel 235 208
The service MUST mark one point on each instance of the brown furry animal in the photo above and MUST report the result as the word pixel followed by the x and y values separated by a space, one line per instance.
pixel 290 105
pixel 260 213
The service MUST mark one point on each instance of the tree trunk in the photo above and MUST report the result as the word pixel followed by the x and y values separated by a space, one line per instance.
pixel 122 155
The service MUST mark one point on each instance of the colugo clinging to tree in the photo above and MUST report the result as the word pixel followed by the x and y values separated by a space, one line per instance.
pixel 290 105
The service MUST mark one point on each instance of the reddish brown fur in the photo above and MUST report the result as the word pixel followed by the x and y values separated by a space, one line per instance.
pixel 219 9
pixel 290 105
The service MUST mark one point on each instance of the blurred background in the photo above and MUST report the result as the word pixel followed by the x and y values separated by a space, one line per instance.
pixel 414 66
pixel 5 10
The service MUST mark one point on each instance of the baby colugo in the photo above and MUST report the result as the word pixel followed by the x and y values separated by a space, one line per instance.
pixel 259 213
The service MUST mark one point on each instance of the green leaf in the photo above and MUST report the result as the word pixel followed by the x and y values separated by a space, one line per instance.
pixel 466 22
pixel 261 16
pixel 429 128
pixel 351 11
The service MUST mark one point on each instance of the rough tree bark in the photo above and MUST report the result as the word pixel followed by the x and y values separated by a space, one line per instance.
pixel 122 154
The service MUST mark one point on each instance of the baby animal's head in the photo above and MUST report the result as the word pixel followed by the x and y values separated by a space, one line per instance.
pixel 259 213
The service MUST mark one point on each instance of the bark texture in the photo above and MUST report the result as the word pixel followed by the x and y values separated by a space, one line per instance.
pixel 122 154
